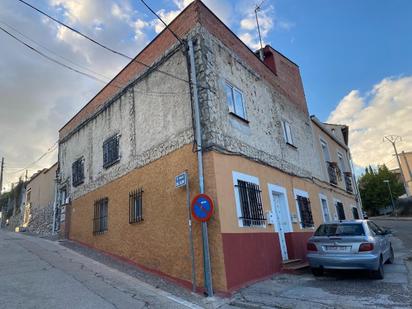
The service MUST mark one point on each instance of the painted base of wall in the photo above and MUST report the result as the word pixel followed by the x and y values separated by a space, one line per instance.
pixel 296 244
pixel 250 257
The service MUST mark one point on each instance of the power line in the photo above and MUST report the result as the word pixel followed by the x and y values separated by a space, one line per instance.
pixel 49 150
pixel 101 44
pixel 158 17
pixel 48 57
pixel 114 84
pixel 50 51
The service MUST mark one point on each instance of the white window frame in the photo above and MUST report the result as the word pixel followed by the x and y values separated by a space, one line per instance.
pixel 248 178
pixel 287 132
pixel 325 198
pixel 281 190
pixel 232 104
pixel 302 193
pixel 340 155
pixel 322 141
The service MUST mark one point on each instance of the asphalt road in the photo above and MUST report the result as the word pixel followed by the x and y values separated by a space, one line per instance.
pixel 37 273
pixel 341 289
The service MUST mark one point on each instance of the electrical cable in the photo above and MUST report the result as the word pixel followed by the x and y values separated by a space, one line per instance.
pixel 100 44
pixel 71 68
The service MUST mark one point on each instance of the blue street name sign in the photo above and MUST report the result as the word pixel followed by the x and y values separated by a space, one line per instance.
pixel 180 180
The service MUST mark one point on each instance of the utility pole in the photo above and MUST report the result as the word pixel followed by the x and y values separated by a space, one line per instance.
pixel 1 174
pixel 393 139
pixel 257 9
pixel 390 192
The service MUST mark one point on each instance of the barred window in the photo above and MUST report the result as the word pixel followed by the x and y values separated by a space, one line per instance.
pixel 340 211
pixel 136 206
pixel 111 151
pixel 305 212
pixel 250 204
pixel 78 172
pixel 100 215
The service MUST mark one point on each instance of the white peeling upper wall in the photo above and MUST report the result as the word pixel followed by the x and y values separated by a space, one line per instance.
pixel 152 118
pixel 261 136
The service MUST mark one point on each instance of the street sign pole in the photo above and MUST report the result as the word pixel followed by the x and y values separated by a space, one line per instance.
pixel 192 251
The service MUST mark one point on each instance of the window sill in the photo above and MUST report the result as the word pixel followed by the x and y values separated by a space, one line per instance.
pixel 292 146
pixel 239 117
pixel 106 166
pixel 78 183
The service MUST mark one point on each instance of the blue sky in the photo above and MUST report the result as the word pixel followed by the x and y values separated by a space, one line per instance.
pixel 354 56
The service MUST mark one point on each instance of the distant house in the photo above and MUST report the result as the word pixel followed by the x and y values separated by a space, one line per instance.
pixel 405 159
pixel 39 206
pixel 263 162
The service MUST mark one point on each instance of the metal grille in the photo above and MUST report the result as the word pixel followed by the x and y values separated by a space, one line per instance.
pixel 340 210
pixel 111 151
pixel 348 182
pixel 100 216
pixel 333 178
pixel 251 204
pixel 78 172
pixel 305 212
pixel 136 206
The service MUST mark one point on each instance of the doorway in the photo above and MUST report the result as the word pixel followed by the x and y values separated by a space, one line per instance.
pixel 281 215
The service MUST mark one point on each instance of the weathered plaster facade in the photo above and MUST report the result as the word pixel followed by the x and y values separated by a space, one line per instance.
pixel 152 117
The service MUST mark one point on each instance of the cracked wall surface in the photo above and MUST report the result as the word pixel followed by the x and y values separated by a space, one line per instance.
pixel 153 118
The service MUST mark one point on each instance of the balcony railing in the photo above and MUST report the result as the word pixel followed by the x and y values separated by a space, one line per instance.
pixel 333 177
pixel 348 182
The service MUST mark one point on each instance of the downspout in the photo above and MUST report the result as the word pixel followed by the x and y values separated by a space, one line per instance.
pixel 199 150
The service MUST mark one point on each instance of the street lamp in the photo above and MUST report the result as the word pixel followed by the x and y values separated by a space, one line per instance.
pixel 390 192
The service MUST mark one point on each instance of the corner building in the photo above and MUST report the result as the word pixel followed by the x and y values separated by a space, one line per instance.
pixel 118 158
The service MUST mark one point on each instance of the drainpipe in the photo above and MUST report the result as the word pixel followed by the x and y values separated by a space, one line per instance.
pixel 198 137
pixel 356 186
pixel 54 207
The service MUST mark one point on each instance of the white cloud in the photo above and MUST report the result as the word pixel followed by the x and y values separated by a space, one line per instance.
pixel 385 110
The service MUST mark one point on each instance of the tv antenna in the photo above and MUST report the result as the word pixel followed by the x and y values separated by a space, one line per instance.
pixel 257 9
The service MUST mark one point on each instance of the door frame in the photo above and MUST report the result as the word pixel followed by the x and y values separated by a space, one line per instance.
pixel 324 197
pixel 283 192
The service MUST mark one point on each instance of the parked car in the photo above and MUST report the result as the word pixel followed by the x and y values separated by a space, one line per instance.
pixel 350 244
pixel 365 215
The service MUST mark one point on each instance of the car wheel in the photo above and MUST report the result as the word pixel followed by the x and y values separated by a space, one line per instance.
pixel 378 274
pixel 317 272
pixel 391 257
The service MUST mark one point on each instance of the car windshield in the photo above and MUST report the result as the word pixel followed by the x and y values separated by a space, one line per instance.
pixel 352 229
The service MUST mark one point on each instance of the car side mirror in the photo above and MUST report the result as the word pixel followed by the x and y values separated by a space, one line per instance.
pixel 386 232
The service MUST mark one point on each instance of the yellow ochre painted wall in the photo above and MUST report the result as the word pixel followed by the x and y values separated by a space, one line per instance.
pixel 161 241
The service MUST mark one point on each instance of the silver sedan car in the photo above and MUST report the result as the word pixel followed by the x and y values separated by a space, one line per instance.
pixel 355 244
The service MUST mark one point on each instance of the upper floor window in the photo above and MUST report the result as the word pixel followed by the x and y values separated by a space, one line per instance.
pixel 111 151
pixel 325 150
pixel 235 101
pixel 78 172
pixel 287 132
pixel 341 162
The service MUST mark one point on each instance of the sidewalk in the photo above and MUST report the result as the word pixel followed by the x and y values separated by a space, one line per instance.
pixel 391 218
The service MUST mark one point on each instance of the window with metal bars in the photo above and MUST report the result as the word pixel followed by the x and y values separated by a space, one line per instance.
pixel 111 151
pixel 136 206
pixel 250 204
pixel 340 211
pixel 78 172
pixel 100 215
pixel 305 211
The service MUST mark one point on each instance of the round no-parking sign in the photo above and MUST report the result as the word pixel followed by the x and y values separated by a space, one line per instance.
pixel 202 207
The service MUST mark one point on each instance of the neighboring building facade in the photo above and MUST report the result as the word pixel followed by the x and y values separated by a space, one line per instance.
pixel 118 158
pixel 40 201
pixel 405 159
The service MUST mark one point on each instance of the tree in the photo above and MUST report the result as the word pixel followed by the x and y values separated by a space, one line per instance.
pixel 375 192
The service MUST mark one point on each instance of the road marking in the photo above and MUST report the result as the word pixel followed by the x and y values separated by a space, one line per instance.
pixel 184 302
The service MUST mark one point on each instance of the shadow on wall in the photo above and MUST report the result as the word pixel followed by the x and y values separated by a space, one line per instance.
pixel 404 206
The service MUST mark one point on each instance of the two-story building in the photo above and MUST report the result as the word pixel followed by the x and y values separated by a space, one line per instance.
pixel 261 158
